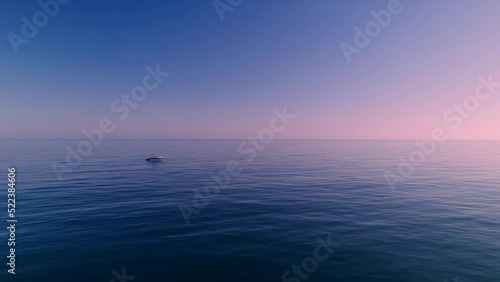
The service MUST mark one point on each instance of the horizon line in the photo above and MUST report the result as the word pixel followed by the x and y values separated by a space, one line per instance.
pixel 291 139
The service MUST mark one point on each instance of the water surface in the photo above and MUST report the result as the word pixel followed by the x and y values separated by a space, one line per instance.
pixel 115 210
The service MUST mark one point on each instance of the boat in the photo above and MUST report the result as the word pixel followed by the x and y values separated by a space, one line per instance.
pixel 155 159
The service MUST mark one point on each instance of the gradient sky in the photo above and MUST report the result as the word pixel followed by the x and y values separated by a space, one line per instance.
pixel 226 77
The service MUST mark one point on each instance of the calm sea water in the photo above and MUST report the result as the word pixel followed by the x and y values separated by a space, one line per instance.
pixel 117 211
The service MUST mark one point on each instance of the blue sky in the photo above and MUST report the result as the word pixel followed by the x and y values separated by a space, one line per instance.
pixel 227 76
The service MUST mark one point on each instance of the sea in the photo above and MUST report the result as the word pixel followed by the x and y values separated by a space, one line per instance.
pixel 291 211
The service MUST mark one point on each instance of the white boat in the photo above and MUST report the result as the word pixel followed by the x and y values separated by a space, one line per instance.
pixel 155 159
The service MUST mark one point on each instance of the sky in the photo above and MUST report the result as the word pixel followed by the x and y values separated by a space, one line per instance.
pixel 226 76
